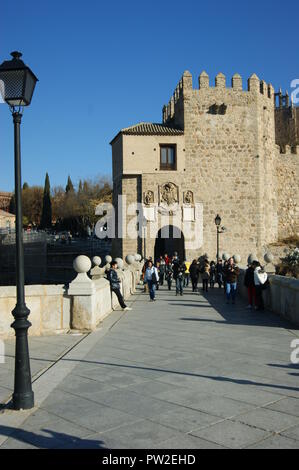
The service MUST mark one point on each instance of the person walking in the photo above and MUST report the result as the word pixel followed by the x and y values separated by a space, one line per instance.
pixel 249 283
pixel 212 274
pixel 194 274
pixel 231 277
pixel 115 285
pixel 187 274
pixel 205 275
pixel 178 275
pixel 168 275
pixel 151 278
pixel 219 273
pixel 260 279
pixel 162 270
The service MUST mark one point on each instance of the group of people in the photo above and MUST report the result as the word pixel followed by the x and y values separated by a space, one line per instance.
pixel 171 268
pixel 225 274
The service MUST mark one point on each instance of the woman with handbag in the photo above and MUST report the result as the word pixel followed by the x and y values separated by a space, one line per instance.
pixel 151 277
pixel 260 283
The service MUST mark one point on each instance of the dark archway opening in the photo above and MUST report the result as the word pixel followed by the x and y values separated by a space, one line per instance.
pixel 170 239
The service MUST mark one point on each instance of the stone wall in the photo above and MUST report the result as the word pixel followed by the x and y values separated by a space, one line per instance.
pixel 282 297
pixel 287 193
pixel 55 310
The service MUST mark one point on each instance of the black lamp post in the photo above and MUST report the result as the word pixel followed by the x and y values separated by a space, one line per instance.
pixel 17 83
pixel 219 230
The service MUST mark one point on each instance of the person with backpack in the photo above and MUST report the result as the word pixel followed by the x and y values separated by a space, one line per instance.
pixel 115 285
pixel 260 283
pixel 151 277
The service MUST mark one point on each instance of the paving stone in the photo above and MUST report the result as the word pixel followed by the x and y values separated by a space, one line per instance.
pixel 293 433
pixel 276 442
pixel 268 420
pixel 231 434
pixel 286 405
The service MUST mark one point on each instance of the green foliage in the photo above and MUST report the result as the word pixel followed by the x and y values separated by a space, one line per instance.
pixel 46 217
pixel 69 187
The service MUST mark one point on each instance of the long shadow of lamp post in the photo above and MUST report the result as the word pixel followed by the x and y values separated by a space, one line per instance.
pixel 219 231
pixel 17 83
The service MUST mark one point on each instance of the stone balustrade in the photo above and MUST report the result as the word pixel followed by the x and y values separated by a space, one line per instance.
pixel 55 309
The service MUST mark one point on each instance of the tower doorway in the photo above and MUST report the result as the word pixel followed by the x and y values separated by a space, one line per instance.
pixel 170 239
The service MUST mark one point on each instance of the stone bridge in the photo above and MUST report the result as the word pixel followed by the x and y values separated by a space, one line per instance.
pixel 183 372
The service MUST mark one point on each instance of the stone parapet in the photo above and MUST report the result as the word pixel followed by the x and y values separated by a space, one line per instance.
pixel 282 296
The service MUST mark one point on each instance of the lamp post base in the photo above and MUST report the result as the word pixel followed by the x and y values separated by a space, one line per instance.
pixel 23 401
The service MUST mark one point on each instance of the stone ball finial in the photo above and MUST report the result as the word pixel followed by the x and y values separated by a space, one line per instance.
pixel 82 264
pixel 268 257
pixel 120 263
pixel 237 259
pixel 225 256
pixel 251 258
pixel 96 260
pixel 108 259
pixel 130 259
pixel 138 257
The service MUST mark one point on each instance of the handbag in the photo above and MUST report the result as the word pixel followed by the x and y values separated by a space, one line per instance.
pixel 265 285
pixel 154 277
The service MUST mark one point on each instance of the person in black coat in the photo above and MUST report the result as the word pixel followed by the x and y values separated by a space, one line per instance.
pixel 249 283
pixel 194 274
pixel 115 285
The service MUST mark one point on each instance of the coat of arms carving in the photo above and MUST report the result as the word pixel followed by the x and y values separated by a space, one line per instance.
pixel 169 194
pixel 188 197
pixel 148 198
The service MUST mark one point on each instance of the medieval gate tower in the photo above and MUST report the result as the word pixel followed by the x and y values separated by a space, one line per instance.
pixel 219 150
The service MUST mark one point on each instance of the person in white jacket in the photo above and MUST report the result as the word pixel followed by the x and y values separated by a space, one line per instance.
pixel 260 277
pixel 151 277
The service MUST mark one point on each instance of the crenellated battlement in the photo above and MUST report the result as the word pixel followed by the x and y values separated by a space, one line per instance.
pixel 254 86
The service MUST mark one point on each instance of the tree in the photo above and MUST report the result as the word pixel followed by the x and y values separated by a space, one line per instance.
pixel 80 187
pixel 46 218
pixel 32 201
pixel 25 185
pixel 69 187
pixel 12 205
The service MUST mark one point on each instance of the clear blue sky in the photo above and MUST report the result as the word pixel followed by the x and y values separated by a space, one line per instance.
pixel 107 65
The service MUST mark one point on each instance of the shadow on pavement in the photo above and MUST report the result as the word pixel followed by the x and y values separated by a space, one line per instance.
pixel 55 440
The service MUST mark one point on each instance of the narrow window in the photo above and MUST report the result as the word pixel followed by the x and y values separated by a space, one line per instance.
pixel 167 157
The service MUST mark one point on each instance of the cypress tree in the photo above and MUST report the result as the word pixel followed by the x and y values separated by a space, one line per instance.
pixel 80 187
pixel 69 186
pixel 46 218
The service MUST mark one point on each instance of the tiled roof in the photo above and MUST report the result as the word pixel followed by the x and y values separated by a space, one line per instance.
pixel 150 128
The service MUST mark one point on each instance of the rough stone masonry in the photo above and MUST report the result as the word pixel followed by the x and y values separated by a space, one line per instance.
pixel 232 151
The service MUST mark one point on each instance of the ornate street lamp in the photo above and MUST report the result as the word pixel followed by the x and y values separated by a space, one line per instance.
pixel 17 83
pixel 219 230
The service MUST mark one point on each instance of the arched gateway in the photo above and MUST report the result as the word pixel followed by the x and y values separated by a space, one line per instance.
pixel 170 239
